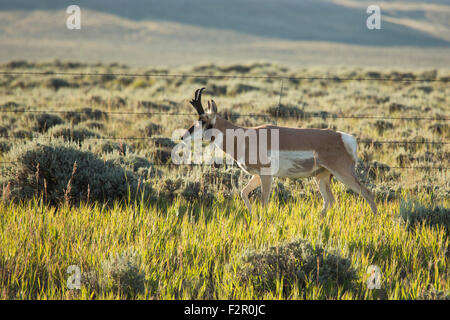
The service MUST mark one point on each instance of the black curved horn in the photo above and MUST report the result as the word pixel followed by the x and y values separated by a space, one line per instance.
pixel 197 101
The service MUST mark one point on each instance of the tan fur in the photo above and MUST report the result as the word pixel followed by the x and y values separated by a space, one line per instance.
pixel 331 157
pixel 331 154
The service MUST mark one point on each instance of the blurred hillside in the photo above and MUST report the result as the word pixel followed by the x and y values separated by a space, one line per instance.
pixel 180 32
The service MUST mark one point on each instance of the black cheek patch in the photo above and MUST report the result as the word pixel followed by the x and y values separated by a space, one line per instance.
pixel 205 125
pixel 191 129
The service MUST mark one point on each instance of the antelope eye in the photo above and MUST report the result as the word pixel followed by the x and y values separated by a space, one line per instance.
pixel 205 124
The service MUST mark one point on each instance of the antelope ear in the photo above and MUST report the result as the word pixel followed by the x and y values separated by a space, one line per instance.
pixel 213 107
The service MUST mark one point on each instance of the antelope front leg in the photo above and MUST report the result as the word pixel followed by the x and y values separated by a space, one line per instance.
pixel 266 186
pixel 252 185
pixel 323 181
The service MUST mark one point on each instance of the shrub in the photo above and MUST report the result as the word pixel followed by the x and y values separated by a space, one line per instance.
pixel 10 105
pixel 102 146
pixel 56 83
pixel 163 142
pixel 283 195
pixel 228 178
pixel 69 133
pixel 22 134
pixel 106 78
pixel 123 156
pixel 142 83
pixel 396 107
pixel 403 158
pixel 18 64
pixel 155 106
pixel 85 114
pixel 62 170
pixel 239 88
pixel 90 280
pixel 377 169
pixel 294 263
pixel 439 129
pixel 122 274
pixel 94 125
pixel 5 146
pixel 382 126
pixel 217 90
pixel 425 89
pixel 279 192
pixel 117 102
pixel 373 74
pixel 160 155
pixel 430 293
pixel 285 111
pixel 413 212
pixel 321 125
pixel 235 68
pixel 149 128
pixel 3 131
pixel 386 191
pixel 148 173
pixel 44 121
pixel 429 74
pixel 130 161
pixel 96 100
pixel 229 114
pixel 191 191
pixel 197 191
pixel 368 172
pixel 168 187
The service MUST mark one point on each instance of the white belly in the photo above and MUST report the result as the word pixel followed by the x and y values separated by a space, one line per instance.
pixel 296 164
pixel 290 164
pixel 248 170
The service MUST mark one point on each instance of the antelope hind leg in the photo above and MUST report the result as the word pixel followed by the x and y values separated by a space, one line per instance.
pixel 254 182
pixel 323 181
pixel 348 177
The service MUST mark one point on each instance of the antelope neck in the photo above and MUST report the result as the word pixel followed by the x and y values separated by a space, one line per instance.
pixel 223 125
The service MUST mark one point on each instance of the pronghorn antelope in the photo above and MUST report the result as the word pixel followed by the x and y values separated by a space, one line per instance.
pixel 299 153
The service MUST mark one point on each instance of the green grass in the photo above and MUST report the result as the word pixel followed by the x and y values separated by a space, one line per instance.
pixel 191 248
pixel 187 249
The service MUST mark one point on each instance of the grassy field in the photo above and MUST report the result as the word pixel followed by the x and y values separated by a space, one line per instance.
pixel 139 227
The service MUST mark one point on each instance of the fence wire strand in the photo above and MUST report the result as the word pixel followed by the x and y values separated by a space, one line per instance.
pixel 222 76
pixel 218 76
pixel 5 163
pixel 360 140
pixel 255 115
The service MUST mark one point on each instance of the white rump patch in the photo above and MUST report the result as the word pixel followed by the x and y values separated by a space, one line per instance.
pixel 350 144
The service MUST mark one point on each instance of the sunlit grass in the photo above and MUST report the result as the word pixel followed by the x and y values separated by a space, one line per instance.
pixel 186 248
pixel 190 249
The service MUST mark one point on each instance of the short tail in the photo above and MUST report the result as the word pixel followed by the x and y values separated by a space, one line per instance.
pixel 350 145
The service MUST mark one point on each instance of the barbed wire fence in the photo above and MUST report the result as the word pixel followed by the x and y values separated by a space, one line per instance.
pixel 278 115
pixel 407 78
pixel 301 115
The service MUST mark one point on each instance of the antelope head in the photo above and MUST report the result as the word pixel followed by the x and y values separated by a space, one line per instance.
pixel 205 122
